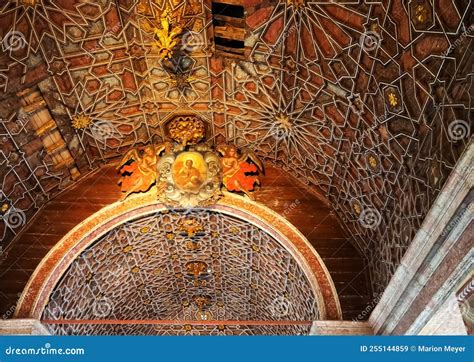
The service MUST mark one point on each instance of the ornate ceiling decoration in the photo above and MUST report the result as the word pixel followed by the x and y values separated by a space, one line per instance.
pixel 370 103
pixel 184 265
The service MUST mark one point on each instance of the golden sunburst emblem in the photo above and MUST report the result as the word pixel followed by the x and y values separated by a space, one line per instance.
pixel 81 121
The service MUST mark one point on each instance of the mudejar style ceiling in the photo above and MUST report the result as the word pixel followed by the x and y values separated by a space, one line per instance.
pixel 369 102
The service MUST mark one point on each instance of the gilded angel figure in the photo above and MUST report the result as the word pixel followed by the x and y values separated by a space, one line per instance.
pixel 138 169
pixel 236 169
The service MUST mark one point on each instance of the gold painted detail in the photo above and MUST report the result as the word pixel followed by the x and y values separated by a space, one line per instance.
pixel 127 249
pixel 392 99
pixel 192 245
pixel 196 269
pixel 373 162
pixel 81 121
pixel 189 174
pixel 48 126
pixel 166 33
pixel 296 3
pixel 5 208
pixel 357 208
pixel 203 302
pixel 29 3
pixel 191 226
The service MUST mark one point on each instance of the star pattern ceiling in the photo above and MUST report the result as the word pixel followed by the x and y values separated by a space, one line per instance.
pixel 184 265
pixel 370 103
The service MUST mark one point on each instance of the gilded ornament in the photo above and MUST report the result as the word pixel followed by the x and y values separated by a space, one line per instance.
pixel 186 130
pixel 372 161
pixel 191 226
pixel 166 34
pixel 145 229
pixel 127 249
pixel 135 270
pixel 421 14
pixel 188 174
pixel 392 99
pixel 81 121
pixel 238 173
pixel 296 3
pixel 357 208
pixel 192 245
pixel 29 3
pixel 5 208
pixel 196 269
pixel 151 252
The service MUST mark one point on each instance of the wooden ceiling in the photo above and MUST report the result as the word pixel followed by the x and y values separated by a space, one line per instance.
pixel 368 103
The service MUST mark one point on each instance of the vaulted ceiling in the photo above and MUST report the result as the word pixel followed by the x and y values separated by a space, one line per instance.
pixel 153 268
pixel 369 102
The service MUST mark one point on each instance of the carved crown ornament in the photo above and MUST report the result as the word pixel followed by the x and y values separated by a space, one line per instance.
pixel 186 171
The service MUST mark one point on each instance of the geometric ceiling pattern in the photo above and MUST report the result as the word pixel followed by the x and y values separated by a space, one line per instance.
pixel 184 265
pixel 369 103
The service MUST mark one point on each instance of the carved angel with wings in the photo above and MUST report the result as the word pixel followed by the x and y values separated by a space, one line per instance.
pixel 138 169
pixel 236 169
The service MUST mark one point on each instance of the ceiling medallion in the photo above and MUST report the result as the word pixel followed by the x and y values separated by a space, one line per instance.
pixel 81 121
pixel 197 270
pixel 393 99
pixel 372 161
pixel 186 171
pixel 166 33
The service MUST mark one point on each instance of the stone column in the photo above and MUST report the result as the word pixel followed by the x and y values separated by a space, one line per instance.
pixel 438 262
pixel 23 327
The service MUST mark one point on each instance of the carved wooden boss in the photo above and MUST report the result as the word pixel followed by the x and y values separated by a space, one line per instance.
pixel 187 171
